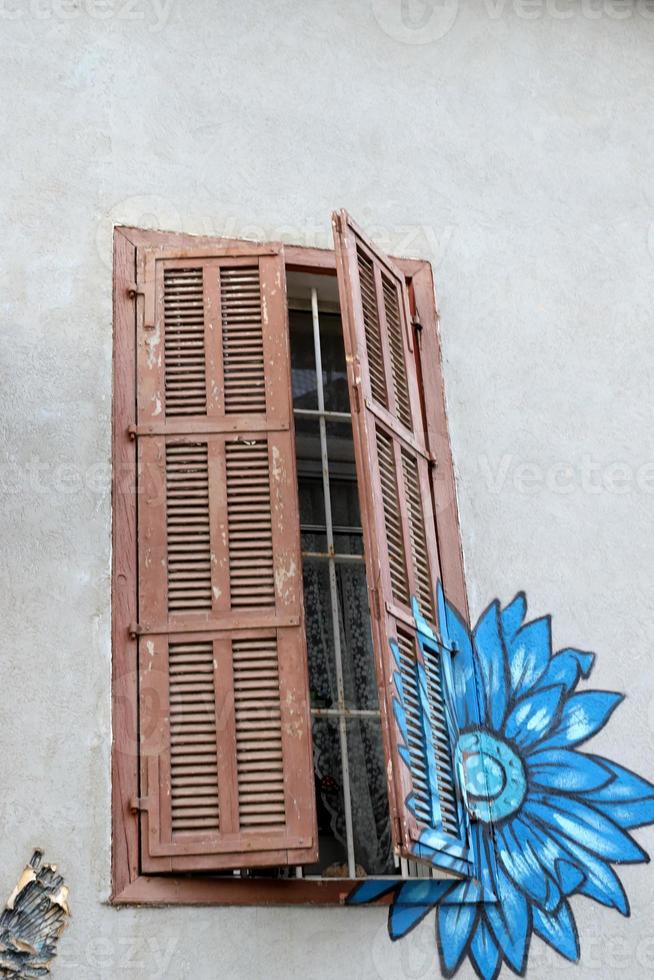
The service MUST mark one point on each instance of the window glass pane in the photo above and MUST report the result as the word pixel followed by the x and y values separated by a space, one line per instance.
pixel 373 849
pixel 346 515
pixel 303 362
pixel 334 374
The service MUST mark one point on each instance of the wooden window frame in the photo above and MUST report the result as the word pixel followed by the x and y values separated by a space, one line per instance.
pixel 129 885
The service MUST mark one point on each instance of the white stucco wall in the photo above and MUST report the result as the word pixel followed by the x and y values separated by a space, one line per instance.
pixel 512 146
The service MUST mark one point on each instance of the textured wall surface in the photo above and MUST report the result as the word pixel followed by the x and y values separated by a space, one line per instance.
pixel 510 143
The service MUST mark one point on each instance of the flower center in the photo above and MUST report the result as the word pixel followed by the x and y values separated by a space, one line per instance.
pixel 493 775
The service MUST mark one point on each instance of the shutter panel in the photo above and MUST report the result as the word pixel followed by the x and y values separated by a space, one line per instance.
pixel 225 733
pixel 394 467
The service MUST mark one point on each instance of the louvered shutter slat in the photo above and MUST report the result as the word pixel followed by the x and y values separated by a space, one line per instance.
pixel 225 743
pixel 401 547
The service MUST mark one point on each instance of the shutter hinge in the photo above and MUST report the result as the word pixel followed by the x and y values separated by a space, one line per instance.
pixel 415 320
pixel 376 611
pixel 139 803
pixel 135 289
pixel 132 431
pixel 134 631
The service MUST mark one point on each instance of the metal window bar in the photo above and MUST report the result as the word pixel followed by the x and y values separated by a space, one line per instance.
pixel 322 416
pixel 407 869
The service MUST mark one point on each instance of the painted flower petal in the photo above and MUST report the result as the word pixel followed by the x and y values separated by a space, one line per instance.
pixel 370 891
pixel 626 785
pixel 513 617
pixel 403 918
pixel 533 716
pixel 529 654
pixel 599 880
pixel 509 921
pixel 455 924
pixel 484 954
pixel 628 815
pixel 558 930
pixel 493 665
pixel 566 667
pixel 455 634
pixel 628 799
pixel 580 823
pixel 583 715
pixel 481 851
pixel 423 891
pixel 570 876
pixel 466 892
pixel 430 848
pixel 566 771
pixel 518 852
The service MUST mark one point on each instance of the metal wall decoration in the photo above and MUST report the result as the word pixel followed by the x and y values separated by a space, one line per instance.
pixel 32 921
pixel 547 821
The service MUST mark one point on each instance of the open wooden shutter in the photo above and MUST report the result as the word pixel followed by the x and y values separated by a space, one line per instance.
pixel 394 473
pixel 225 735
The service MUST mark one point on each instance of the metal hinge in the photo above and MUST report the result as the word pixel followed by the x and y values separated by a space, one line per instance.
pixel 415 320
pixel 139 803
pixel 135 289
pixel 134 631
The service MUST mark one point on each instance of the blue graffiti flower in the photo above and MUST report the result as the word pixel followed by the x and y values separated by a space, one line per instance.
pixel 547 821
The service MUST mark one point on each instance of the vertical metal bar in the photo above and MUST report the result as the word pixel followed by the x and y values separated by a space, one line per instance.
pixel 333 591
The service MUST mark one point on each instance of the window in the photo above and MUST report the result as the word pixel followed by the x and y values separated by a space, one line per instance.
pixel 283 512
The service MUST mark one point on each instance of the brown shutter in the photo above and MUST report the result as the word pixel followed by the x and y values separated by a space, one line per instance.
pixel 225 735
pixel 393 466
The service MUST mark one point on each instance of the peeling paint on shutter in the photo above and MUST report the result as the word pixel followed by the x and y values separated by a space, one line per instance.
pixel 225 736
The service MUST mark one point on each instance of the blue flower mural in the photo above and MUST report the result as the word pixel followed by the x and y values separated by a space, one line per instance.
pixel 547 821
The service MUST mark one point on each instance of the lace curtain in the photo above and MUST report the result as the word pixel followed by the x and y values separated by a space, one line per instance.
pixel 370 815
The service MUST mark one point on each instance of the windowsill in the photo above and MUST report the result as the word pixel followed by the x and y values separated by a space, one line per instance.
pixel 204 890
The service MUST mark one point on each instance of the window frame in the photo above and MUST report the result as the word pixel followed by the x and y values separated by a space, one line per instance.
pixel 129 885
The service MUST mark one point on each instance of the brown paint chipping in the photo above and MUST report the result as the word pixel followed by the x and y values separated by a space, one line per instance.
pixel 34 918
pixel 136 254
